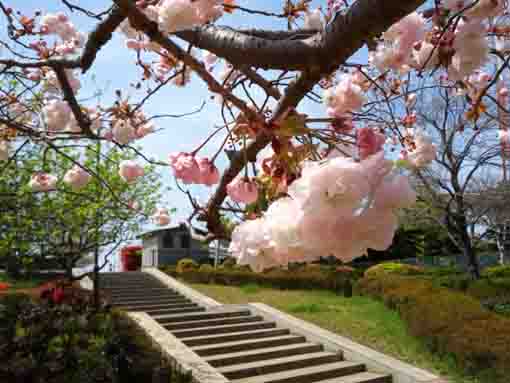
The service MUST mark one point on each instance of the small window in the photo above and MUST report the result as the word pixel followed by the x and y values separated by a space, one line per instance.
pixel 168 241
pixel 185 241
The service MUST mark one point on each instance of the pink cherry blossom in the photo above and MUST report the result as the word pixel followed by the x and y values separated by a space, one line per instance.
pixel 161 217
pixel 130 171
pixel 484 9
pixel 145 129
pixel 243 190
pixel 59 117
pixel 123 132
pixel 424 153
pixel 4 150
pixel 43 182
pixel 77 177
pixel 313 20
pixel 185 167
pixel 345 97
pixel 209 174
pixel 396 51
pixel 395 193
pixel 471 49
pixel 369 141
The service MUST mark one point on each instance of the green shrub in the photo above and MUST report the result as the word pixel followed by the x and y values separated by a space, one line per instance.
pixel 497 272
pixel 186 265
pixel 449 321
pixel 394 268
pixel 206 268
pixel 276 278
pixel 58 343
pixel 489 288
pixel 228 263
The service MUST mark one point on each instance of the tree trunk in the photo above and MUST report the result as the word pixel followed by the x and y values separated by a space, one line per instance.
pixel 470 255
pixel 96 279
pixel 503 242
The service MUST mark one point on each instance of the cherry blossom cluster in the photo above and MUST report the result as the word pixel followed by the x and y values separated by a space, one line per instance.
pixel 127 130
pixel 60 25
pixel 130 171
pixel 463 48
pixel 338 207
pixel 161 217
pixel 4 150
pixel 191 170
pixel 59 118
pixel 348 96
pixel 243 190
pixel 77 177
pixel 172 16
pixel 43 182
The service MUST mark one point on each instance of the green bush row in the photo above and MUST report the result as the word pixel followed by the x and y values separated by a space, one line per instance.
pixel 313 277
pixel 450 322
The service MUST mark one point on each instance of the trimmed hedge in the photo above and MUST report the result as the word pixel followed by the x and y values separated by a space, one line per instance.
pixel 186 264
pixel 497 272
pixel 316 278
pixel 394 268
pixel 449 321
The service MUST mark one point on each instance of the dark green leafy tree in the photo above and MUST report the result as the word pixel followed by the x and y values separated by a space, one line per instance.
pixel 60 228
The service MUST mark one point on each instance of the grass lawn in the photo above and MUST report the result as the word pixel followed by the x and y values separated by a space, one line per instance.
pixel 362 319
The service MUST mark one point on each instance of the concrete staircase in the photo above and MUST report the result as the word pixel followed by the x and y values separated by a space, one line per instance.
pixel 240 345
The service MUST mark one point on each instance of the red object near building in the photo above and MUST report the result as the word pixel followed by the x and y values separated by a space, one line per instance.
pixel 131 257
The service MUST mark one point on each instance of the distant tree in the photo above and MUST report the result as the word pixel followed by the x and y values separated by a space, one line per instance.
pixel 69 224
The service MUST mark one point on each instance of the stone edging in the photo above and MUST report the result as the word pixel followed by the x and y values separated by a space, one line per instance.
pixel 182 357
pixel 188 292
pixel 402 372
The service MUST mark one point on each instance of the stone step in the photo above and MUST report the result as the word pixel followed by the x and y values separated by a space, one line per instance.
pixel 252 344
pixel 207 315
pixel 362 377
pixel 246 370
pixel 229 328
pixel 130 286
pixel 141 296
pixel 154 290
pixel 149 299
pixel 212 322
pixel 182 310
pixel 307 374
pixel 262 354
pixel 150 307
pixel 145 302
pixel 233 337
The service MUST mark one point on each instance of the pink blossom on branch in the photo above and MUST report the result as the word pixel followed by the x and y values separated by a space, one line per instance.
pixel 243 190
pixel 424 152
pixel 4 150
pixel 369 142
pixel 185 167
pixel 209 174
pixel 161 217
pixel 77 177
pixel 43 182
pixel 130 171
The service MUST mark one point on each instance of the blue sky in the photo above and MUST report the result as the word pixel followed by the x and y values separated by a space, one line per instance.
pixel 115 69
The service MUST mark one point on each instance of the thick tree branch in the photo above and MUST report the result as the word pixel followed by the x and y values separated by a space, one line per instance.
pixel 327 49
pixel 99 37
pixel 67 90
